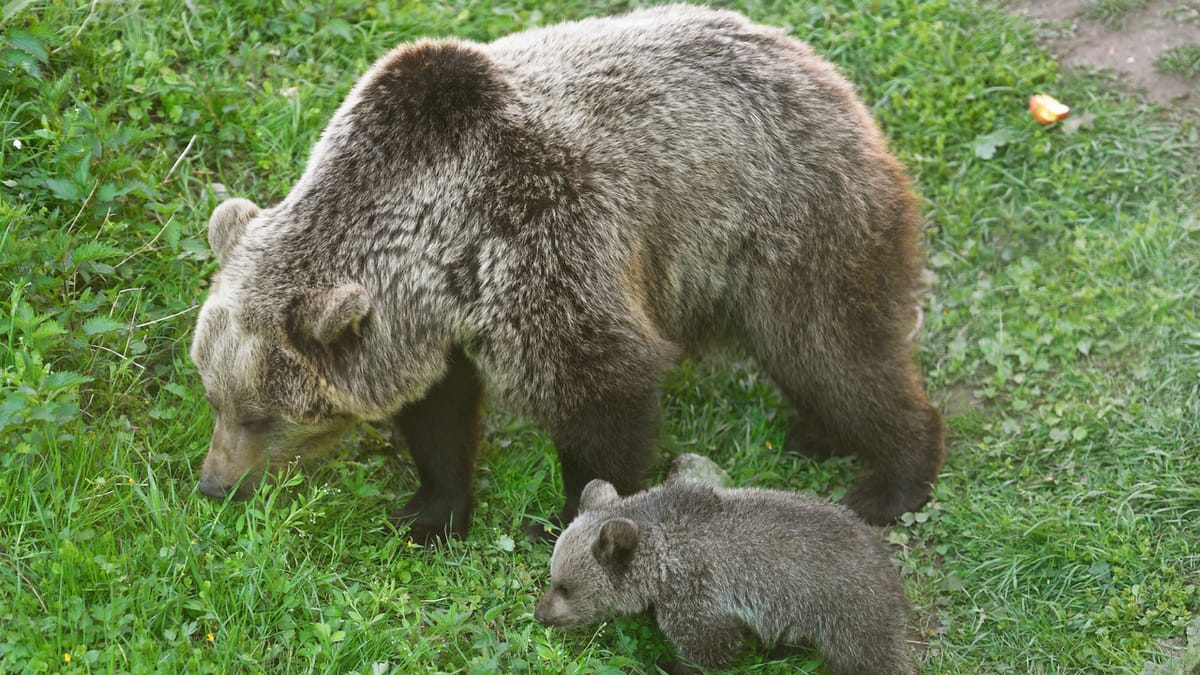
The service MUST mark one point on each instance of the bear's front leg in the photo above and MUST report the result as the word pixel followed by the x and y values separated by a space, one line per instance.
pixel 442 431
pixel 610 438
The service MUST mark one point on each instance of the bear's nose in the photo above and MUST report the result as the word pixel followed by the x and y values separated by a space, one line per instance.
pixel 212 489
pixel 215 490
pixel 542 615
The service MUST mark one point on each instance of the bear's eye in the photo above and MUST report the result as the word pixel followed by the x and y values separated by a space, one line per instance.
pixel 564 591
pixel 257 425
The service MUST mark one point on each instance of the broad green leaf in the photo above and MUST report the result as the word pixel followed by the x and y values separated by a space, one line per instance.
pixel 985 145
pixel 64 189
pixel 28 44
pixel 101 324
pixel 94 250
pixel 64 379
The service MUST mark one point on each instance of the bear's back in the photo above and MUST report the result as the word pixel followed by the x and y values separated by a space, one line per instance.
pixel 712 146
pixel 681 90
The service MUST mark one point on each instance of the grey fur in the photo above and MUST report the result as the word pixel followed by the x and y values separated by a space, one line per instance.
pixel 575 208
pixel 715 564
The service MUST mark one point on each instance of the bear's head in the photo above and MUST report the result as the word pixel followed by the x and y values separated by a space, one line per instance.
pixel 339 302
pixel 259 353
pixel 596 571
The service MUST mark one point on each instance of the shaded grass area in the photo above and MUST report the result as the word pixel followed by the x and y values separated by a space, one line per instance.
pixel 1062 335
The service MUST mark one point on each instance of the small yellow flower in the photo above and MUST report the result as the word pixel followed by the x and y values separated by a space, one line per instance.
pixel 409 543
pixel 66 657
pixel 211 637
pixel 769 446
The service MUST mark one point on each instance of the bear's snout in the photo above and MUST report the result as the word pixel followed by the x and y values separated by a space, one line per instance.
pixel 211 488
pixel 543 613
pixel 552 611
pixel 235 463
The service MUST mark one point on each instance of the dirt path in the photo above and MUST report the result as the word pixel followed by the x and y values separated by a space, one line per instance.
pixel 1129 46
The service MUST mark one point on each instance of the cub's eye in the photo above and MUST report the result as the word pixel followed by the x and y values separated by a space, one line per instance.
pixel 257 425
pixel 564 591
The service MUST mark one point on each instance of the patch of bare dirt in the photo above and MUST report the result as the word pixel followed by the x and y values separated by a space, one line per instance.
pixel 1129 49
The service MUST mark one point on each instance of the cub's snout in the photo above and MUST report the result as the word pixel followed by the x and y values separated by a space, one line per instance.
pixel 551 611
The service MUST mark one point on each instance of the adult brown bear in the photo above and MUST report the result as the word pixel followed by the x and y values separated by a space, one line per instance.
pixel 556 218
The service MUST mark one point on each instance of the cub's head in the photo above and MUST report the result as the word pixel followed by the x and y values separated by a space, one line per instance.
pixel 595 569
pixel 254 350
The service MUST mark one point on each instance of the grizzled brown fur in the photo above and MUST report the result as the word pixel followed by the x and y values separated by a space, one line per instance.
pixel 555 218
pixel 717 564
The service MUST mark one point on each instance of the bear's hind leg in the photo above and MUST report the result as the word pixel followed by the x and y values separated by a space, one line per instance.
pixel 806 432
pixel 867 401
pixel 609 438
pixel 442 431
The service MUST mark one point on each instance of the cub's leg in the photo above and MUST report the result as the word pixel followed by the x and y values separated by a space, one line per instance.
pixel 868 644
pixel 708 640
pixel 442 431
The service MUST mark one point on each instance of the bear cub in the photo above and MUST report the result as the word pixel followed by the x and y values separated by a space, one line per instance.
pixel 716 563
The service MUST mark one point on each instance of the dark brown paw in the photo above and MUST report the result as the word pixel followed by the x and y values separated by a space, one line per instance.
pixel 428 521
pixel 880 502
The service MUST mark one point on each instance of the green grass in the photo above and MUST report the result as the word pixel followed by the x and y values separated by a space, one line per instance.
pixel 1181 59
pixel 1111 12
pixel 1062 537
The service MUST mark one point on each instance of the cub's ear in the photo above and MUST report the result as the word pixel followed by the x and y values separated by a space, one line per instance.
pixel 597 494
pixel 615 546
pixel 227 224
pixel 327 316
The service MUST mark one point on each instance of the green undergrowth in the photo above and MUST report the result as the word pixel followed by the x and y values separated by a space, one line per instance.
pixel 1183 60
pixel 1061 340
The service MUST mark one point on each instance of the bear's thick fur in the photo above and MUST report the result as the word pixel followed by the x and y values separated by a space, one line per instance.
pixel 718 564
pixel 556 218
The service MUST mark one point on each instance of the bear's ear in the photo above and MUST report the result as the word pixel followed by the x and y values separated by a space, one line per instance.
pixel 597 494
pixel 328 315
pixel 227 224
pixel 615 546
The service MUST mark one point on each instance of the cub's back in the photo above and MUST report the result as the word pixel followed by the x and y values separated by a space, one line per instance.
pixel 776 560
